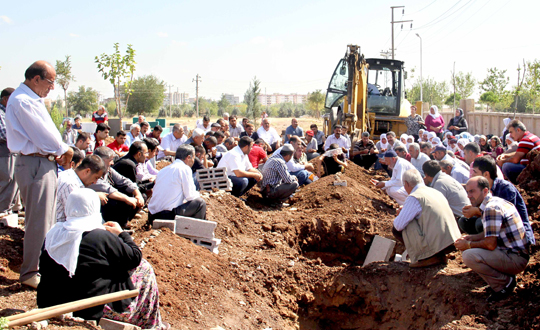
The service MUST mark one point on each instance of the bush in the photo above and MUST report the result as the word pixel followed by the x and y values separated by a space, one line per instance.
pixel 57 118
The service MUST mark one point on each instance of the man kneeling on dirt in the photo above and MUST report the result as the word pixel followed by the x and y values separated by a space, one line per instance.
pixel 174 191
pixel 426 224
pixel 394 186
pixel 278 184
pixel 500 252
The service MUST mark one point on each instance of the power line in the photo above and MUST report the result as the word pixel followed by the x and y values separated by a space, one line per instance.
pixel 428 24
pixel 423 8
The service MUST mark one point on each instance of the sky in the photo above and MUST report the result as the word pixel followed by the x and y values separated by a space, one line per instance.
pixel 290 46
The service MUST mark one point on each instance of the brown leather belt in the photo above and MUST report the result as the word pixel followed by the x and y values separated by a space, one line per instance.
pixel 50 158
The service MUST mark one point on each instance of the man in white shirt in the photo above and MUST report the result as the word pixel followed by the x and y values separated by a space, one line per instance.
pixel 394 187
pixel 269 135
pixel 31 132
pixel 234 129
pixel 337 138
pixel 133 135
pixel 87 173
pixel 417 158
pixel 171 142
pixel 239 168
pixel 174 191
pixel 204 124
pixel 455 171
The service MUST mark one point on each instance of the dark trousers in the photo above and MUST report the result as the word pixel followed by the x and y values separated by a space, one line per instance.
pixel 281 192
pixel 366 161
pixel 118 211
pixel 241 185
pixel 195 208
pixel 311 155
pixel 471 226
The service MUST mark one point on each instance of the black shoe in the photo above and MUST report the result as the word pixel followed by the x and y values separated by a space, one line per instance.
pixel 504 293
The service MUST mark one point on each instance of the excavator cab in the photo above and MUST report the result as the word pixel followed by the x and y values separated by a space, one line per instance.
pixel 384 86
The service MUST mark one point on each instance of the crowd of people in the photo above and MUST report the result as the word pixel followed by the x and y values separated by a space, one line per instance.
pixel 79 194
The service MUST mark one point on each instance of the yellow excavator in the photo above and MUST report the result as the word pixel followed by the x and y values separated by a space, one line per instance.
pixel 367 95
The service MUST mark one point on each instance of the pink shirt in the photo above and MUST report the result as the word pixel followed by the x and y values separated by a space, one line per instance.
pixel 430 121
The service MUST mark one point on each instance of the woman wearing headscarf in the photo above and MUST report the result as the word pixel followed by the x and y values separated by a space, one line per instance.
pixel 420 135
pixel 425 136
pixel 485 148
pixel 84 258
pixel 403 138
pixel 446 136
pixel 506 121
pixel 434 121
pixel 431 136
pixel 458 124
pixel 414 122
pixel 511 145
pixel 496 147
pixel 383 146
pixel 461 143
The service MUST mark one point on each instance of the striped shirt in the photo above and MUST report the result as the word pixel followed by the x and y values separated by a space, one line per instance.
pixel 502 220
pixel 2 123
pixel 275 171
pixel 527 143
pixel 68 181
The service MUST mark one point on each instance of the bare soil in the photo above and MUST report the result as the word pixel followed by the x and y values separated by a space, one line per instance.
pixel 299 267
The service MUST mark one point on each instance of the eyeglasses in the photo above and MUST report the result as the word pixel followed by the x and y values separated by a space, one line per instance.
pixel 49 81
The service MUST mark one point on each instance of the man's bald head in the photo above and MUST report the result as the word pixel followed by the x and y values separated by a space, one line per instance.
pixel 40 77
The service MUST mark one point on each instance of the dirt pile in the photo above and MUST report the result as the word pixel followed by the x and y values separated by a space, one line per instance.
pixel 529 182
pixel 162 163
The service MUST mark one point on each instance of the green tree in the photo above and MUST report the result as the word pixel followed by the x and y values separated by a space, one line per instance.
pixel 489 98
pixel 223 105
pixel 450 99
pixel 57 117
pixel 83 101
pixel 496 81
pixel 532 82
pixel 316 102
pixel 119 71
pixel 434 92
pixel 110 106
pixel 251 98
pixel 64 77
pixel 465 83
pixel 147 95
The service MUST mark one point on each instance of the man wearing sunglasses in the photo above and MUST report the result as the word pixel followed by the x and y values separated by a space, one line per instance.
pixel 32 133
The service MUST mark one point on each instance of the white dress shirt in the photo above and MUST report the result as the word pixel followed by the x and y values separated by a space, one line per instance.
pixel 174 187
pixel 341 141
pixel 233 160
pixel 68 181
pixel 291 165
pixel 401 166
pixel 200 125
pixel 235 131
pixel 270 136
pixel 411 209
pixel 419 162
pixel 30 128
pixel 170 143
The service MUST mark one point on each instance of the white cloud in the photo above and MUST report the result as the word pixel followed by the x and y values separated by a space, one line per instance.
pixel 162 34
pixel 258 40
pixel 73 35
pixel 179 43
pixel 6 19
pixel 276 44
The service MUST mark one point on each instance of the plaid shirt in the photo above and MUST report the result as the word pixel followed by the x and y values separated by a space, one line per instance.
pixel 502 220
pixel 275 172
pixel 2 123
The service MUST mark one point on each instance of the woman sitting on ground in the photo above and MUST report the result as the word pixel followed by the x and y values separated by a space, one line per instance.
pixel 496 146
pixel 511 145
pixel 84 258
pixel 485 148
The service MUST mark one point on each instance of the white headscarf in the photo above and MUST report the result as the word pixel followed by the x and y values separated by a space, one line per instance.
pixel 426 134
pixel 506 121
pixel 463 142
pixel 63 240
pixel 431 135
pixel 403 136
pixel 436 142
pixel 436 110
pixel 384 145
pixel 410 137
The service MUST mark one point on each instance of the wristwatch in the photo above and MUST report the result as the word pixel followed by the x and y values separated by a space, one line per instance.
pixel 51 158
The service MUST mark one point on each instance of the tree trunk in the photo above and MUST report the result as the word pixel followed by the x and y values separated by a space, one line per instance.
pixel 65 103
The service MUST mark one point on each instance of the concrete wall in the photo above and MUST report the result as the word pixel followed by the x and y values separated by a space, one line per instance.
pixel 492 122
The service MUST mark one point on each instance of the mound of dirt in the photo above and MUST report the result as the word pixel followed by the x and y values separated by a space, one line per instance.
pixel 529 182
pixel 162 163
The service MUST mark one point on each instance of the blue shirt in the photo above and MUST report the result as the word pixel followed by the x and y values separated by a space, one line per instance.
pixel 507 191
pixel 298 131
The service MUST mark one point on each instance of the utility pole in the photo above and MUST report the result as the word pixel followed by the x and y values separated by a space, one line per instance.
pixel 197 80
pixel 170 103
pixel 386 53
pixel 421 81
pixel 454 82
pixel 403 12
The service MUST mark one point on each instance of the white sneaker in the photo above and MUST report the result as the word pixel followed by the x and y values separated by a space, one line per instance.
pixel 33 281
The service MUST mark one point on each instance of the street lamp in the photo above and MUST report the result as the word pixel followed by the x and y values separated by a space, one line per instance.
pixel 421 81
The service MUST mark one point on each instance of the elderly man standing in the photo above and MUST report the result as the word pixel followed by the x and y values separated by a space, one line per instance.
pixel 269 135
pixel 417 158
pixel 278 184
pixel 9 192
pixel 134 134
pixel 394 187
pixel 239 168
pixel 235 130
pixel 364 153
pixel 425 225
pixel 293 130
pixel 500 252
pixel 172 141
pixel 32 133
pixel 174 192
pixel 451 189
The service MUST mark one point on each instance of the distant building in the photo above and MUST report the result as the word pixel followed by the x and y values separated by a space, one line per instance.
pixel 276 98
pixel 233 100
pixel 175 98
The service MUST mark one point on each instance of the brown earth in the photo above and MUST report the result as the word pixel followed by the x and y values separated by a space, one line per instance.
pixel 299 267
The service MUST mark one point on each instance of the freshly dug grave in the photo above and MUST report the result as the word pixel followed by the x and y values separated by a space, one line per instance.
pixel 529 182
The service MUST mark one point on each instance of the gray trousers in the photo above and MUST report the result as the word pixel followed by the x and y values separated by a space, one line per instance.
pixel 494 266
pixel 283 191
pixel 37 180
pixel 9 191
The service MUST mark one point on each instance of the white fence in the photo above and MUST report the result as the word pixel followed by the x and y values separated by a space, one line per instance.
pixel 492 122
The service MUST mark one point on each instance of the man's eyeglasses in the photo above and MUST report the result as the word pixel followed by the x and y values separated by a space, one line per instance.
pixel 49 81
